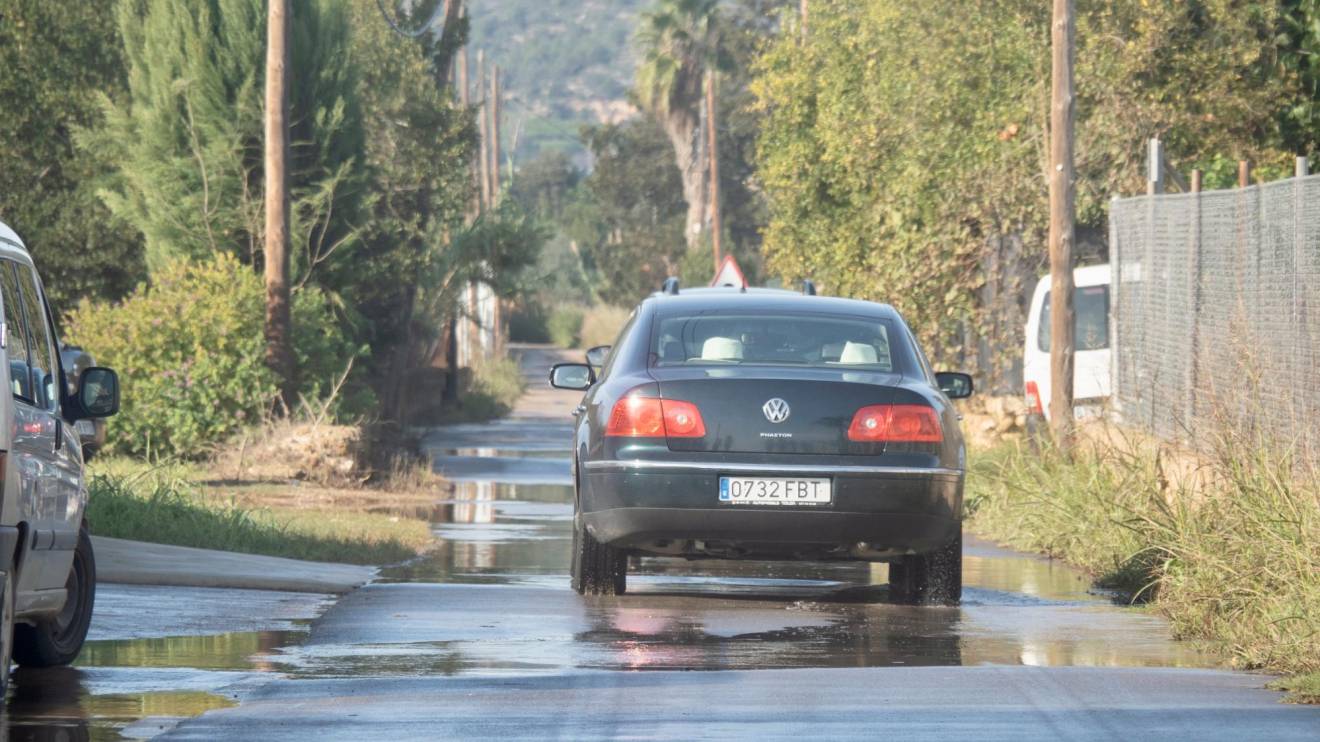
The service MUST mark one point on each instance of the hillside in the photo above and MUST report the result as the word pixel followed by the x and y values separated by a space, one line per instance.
pixel 565 63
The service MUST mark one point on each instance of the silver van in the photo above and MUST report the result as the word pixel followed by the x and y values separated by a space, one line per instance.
pixel 49 572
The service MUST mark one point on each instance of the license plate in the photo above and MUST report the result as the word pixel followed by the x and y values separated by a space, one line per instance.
pixel 775 490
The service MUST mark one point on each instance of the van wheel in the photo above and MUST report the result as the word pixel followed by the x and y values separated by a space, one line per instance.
pixel 597 569
pixel 929 579
pixel 57 640
pixel 6 630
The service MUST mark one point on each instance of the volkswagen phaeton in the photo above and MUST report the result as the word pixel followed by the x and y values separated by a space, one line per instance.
pixel 765 424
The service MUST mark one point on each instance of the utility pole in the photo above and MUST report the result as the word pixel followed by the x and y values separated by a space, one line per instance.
pixel 1061 227
pixel 279 322
pixel 483 133
pixel 713 140
pixel 493 106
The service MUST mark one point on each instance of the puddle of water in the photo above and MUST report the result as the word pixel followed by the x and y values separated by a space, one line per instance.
pixel 61 704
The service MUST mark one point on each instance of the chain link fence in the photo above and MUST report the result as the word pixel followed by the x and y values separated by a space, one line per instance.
pixel 1216 312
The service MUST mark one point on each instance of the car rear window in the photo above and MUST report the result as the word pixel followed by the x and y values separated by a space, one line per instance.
pixel 1090 319
pixel 773 339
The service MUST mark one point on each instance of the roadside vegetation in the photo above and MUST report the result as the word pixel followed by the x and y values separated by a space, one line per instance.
pixel 184 505
pixel 166 508
pixel 1223 545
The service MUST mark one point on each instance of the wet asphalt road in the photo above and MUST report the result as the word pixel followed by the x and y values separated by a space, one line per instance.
pixel 483 638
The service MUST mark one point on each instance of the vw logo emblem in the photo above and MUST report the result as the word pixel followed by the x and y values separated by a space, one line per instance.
pixel 776 410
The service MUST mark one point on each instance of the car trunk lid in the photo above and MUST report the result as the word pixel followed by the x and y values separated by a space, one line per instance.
pixel 776 410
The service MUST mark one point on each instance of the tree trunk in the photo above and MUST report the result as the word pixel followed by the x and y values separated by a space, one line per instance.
pixel 683 127
pixel 279 330
pixel 1061 227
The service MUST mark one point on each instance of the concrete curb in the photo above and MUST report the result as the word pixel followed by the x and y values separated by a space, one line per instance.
pixel 138 563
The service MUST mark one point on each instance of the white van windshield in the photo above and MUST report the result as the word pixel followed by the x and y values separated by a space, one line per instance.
pixel 1090 319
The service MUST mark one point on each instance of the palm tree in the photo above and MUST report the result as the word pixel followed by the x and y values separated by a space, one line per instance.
pixel 680 47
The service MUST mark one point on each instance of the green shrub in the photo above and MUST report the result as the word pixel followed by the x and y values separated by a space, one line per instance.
pixel 527 324
pixel 189 350
pixel 601 325
pixel 492 389
pixel 565 326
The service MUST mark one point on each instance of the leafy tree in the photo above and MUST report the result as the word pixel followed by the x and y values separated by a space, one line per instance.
pixel 56 55
pixel 186 139
pixel 627 215
pixel 417 251
pixel 903 140
pixel 680 44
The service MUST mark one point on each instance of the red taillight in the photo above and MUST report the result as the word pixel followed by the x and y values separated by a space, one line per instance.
pixel 644 417
pixel 682 419
pixel 896 423
pixel 1033 398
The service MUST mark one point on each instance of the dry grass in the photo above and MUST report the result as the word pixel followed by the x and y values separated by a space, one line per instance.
pixel 1224 545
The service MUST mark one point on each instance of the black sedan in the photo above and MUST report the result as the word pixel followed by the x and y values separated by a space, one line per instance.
pixel 769 425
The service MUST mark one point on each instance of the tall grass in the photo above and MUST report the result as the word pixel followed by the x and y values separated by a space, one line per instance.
pixel 1226 546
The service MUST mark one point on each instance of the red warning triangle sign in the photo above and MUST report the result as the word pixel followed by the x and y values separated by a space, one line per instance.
pixel 730 274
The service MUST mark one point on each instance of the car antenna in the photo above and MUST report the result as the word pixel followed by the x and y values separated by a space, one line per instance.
pixel 670 286
pixel 808 287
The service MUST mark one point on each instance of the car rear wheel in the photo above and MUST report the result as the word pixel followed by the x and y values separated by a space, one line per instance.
pixel 597 569
pixel 929 579
pixel 58 639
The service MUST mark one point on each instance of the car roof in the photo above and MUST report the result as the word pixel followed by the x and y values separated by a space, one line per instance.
pixel 11 245
pixel 760 299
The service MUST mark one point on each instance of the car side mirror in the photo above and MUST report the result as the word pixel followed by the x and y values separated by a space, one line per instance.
pixel 954 384
pixel 98 392
pixel 596 356
pixel 576 376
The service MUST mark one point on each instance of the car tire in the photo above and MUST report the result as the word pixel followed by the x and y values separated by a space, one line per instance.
pixel 6 630
pixel 58 639
pixel 929 579
pixel 597 569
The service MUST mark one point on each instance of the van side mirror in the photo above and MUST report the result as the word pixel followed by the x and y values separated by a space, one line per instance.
pixel 98 392
pixel 596 356
pixel 576 376
pixel 954 384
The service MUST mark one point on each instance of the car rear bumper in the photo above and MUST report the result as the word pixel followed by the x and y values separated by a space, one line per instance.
pixel 637 504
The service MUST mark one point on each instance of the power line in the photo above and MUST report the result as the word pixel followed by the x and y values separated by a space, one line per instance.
pixel 440 6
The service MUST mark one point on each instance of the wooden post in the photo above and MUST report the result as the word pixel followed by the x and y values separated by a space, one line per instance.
pixel 1244 173
pixel 279 320
pixel 712 118
pixel 483 134
pixel 802 13
pixel 1196 180
pixel 493 169
pixel 1061 226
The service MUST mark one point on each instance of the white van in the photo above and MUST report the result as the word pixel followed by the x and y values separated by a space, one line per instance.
pixel 1091 382
pixel 48 582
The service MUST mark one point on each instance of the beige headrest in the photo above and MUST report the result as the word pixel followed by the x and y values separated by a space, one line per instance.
pixel 721 349
pixel 857 353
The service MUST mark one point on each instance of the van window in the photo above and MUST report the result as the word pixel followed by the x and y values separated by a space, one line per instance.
pixel 1090 319
pixel 16 334
pixel 42 365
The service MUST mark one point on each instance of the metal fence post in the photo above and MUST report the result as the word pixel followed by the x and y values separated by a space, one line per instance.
pixel 1194 304
pixel 1115 310
pixel 1154 187
pixel 1300 340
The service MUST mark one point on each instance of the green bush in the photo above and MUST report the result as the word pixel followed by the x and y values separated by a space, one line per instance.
pixel 601 325
pixel 492 389
pixel 528 324
pixel 565 326
pixel 189 350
